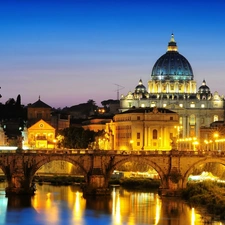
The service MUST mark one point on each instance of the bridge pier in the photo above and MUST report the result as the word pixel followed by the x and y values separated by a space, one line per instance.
pixel 96 183
pixel 18 184
pixel 172 183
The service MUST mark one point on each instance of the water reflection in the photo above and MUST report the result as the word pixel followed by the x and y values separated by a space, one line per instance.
pixel 66 205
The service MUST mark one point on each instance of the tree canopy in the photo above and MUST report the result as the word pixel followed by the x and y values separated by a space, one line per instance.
pixel 77 137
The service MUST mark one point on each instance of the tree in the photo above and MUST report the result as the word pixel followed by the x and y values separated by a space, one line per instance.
pixel 10 101
pixel 77 137
pixel 18 101
pixel 91 102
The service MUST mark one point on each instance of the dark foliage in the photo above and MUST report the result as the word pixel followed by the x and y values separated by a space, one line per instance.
pixel 77 137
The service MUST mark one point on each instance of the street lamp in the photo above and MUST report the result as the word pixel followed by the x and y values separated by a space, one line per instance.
pixel 216 135
pixel 54 141
pixel 178 135
pixel 194 144
pixel 131 144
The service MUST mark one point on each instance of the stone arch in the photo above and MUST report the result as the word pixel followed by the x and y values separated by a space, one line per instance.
pixel 159 170
pixel 2 168
pixel 196 164
pixel 46 160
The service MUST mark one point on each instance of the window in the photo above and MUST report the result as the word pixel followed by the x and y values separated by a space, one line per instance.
pixel 181 105
pixel 164 105
pixel 153 104
pixel 138 143
pixel 202 105
pixel 171 118
pixel 215 118
pixel 138 135
pixel 138 117
pixel 192 119
pixel 192 105
pixel 154 134
pixel 180 120
pixel 142 105
pixel 202 120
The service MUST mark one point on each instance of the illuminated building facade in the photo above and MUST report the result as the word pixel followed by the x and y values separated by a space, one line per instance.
pixel 172 86
pixel 41 135
pixel 145 129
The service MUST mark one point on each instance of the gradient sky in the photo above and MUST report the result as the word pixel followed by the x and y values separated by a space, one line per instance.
pixel 70 51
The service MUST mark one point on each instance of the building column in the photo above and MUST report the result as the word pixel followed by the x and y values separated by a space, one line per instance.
pixel 188 126
pixel 145 137
pixel 184 124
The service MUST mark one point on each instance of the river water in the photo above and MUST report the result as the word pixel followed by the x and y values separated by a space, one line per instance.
pixel 65 205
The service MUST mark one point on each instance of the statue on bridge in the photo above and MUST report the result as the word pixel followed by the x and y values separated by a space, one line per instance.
pixel 19 142
pixel 173 143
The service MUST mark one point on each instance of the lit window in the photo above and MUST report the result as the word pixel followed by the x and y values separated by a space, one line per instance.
pixel 192 105
pixel 153 104
pixel 215 118
pixel 181 105
pixel 142 105
pixel 164 105
pixel 180 120
pixel 202 105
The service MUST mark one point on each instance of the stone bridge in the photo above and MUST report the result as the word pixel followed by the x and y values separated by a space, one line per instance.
pixel 173 167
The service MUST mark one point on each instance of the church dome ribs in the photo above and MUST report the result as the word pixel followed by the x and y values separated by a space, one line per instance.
pixel 172 65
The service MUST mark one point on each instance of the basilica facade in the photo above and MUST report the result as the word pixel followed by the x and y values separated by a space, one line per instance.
pixel 172 86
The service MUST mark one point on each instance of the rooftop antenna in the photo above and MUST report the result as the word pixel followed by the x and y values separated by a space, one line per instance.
pixel 119 87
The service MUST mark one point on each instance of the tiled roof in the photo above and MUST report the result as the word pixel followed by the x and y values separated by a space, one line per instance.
pixel 40 104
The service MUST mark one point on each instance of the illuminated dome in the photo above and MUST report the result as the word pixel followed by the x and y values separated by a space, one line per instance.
pixel 140 88
pixel 204 91
pixel 172 65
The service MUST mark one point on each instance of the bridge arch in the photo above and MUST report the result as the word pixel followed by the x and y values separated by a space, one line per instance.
pixel 147 161
pixel 68 159
pixel 198 163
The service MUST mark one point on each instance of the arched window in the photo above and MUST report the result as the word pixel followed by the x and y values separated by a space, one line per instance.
pixel 154 134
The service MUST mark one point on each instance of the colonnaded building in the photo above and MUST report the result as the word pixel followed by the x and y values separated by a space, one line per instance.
pixel 172 86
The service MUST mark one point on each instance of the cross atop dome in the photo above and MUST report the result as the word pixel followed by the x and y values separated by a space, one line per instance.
pixel 172 45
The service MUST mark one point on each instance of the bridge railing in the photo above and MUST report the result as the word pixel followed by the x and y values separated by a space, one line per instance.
pixel 117 152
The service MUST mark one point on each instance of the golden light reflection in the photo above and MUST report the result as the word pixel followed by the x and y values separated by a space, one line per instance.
pixel 158 210
pixel 124 207
pixel 193 216
pixel 116 207
pixel 78 211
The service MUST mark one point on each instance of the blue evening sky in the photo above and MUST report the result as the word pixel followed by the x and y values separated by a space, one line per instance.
pixel 70 51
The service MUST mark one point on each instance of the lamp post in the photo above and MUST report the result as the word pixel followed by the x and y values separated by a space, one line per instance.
pixel 206 144
pixel 216 135
pixel 131 144
pixel 178 136
pixel 54 141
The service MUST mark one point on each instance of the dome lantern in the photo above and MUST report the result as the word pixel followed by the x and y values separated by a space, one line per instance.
pixel 172 45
